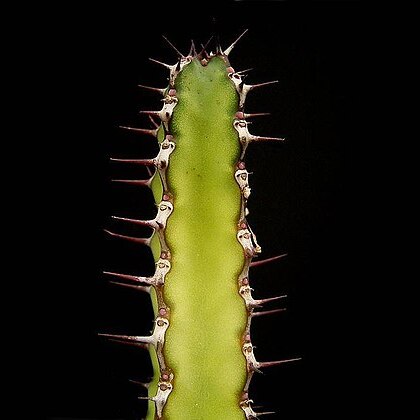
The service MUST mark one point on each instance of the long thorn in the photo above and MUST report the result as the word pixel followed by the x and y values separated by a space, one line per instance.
pixel 135 221
pixel 262 301
pixel 162 64
pixel 137 279
pixel 122 276
pixel 144 162
pixel 228 50
pixel 139 182
pixel 140 130
pixel 245 71
pixel 143 384
pixel 155 113
pixel 257 114
pixel 173 46
pixel 267 260
pixel 277 362
pixel 142 346
pixel 128 339
pixel 262 313
pixel 242 115
pixel 263 138
pixel 143 241
pixel 161 91
pixel 132 286
pixel 265 413
pixel 262 84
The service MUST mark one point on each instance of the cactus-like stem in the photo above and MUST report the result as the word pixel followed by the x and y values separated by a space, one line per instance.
pixel 202 243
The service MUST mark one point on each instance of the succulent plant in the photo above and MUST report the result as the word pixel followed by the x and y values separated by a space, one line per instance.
pixel 203 245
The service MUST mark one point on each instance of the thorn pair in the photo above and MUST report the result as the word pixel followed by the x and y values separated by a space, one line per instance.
pixel 165 209
pixel 165 114
pixel 242 88
pixel 241 127
pixel 174 69
pixel 157 338
pixel 157 280
pixel 245 137
pixel 137 279
pixel 254 366
pixel 251 303
pixel 161 162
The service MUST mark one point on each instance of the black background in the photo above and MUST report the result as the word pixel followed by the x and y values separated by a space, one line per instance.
pixel 300 203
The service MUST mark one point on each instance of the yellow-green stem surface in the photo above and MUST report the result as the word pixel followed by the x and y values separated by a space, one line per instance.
pixel 208 317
